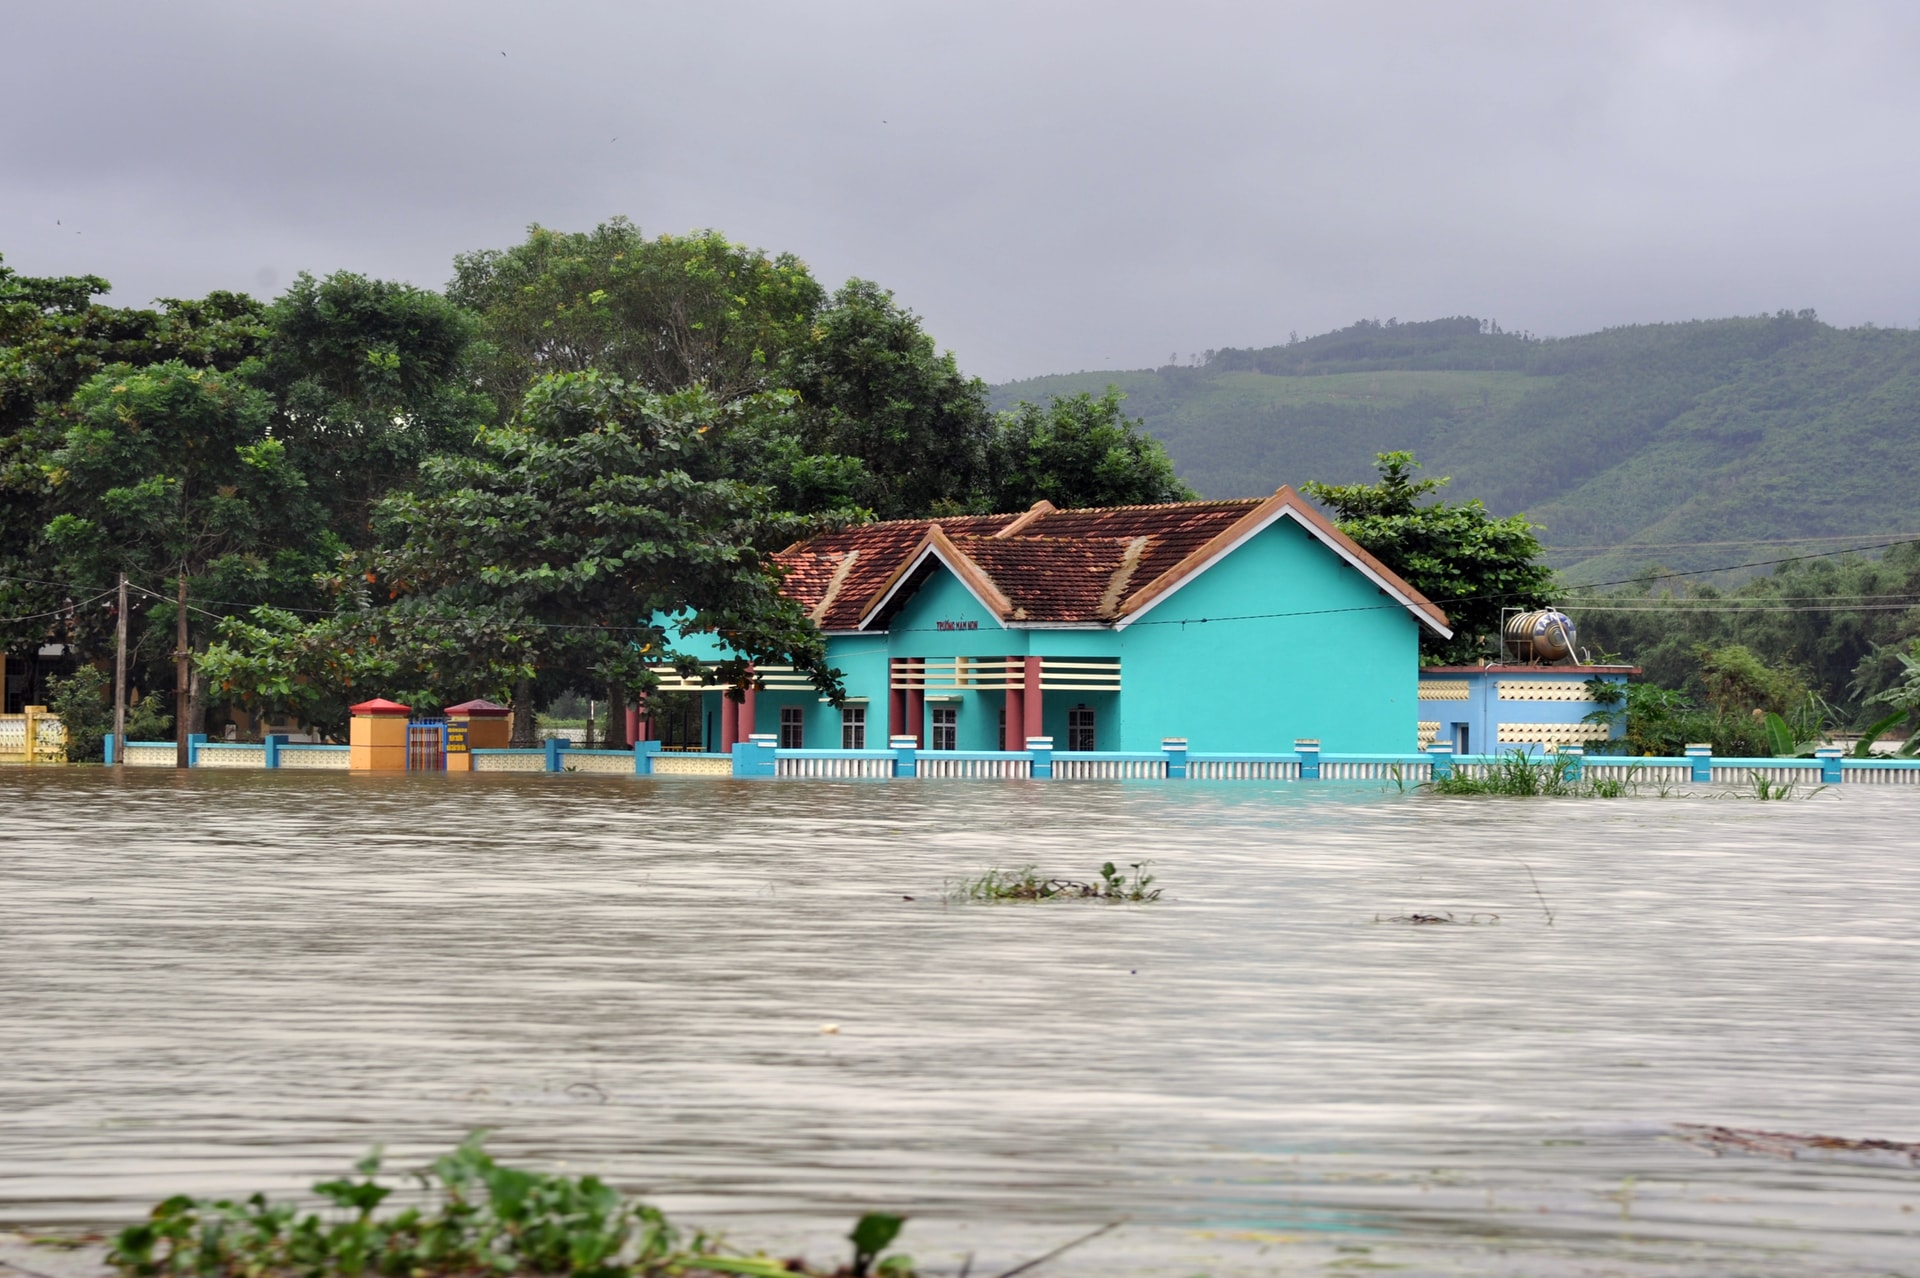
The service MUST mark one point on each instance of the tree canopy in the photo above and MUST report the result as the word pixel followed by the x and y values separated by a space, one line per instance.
pixel 1079 450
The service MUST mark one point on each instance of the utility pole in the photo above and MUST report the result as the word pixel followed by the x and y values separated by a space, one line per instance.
pixel 180 676
pixel 120 679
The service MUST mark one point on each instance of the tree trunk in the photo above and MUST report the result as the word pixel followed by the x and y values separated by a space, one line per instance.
pixel 197 702
pixel 524 737
pixel 617 718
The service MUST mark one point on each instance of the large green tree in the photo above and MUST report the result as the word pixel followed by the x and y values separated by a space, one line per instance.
pixel 590 514
pixel 884 420
pixel 666 313
pixel 1077 450
pixel 872 386
pixel 1456 554
pixel 169 472
pixel 368 378
pixel 54 336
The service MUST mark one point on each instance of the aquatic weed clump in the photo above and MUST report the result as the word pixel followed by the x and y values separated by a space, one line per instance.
pixel 483 1219
pixel 1025 884
pixel 1519 774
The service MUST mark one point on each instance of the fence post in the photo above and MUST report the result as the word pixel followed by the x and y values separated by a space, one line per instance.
pixel 643 755
pixel 1308 748
pixel 1041 750
pixel 1441 755
pixel 553 754
pixel 273 742
pixel 1701 757
pixel 1829 757
pixel 1176 752
pixel 903 748
pixel 194 741
pixel 109 747
pixel 762 746
pixel 30 742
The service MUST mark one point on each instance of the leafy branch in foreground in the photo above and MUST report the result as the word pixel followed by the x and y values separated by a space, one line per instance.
pixel 481 1218
pixel 1025 884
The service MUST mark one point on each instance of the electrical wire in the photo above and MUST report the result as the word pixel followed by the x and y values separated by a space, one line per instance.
pixel 1679 608
pixel 1263 616
pixel 60 611
pixel 1749 541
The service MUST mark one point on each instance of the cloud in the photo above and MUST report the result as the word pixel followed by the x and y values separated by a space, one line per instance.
pixel 1053 186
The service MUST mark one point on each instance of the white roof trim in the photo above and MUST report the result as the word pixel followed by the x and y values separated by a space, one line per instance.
pixel 1287 510
pixel 907 576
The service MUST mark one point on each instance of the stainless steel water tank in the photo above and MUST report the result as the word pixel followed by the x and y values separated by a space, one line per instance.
pixel 1540 636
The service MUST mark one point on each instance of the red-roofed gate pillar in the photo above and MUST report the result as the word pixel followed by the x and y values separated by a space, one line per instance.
pixel 1031 699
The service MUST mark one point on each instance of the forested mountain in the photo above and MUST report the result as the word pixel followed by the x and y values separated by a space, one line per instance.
pixel 1631 446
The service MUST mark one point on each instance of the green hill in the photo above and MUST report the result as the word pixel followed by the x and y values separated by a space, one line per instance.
pixel 1632 446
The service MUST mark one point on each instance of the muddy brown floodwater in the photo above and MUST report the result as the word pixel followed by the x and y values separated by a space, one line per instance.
pixel 219 983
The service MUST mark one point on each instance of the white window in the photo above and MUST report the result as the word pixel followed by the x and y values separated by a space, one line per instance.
pixel 1080 728
pixel 946 728
pixel 793 730
pixel 853 728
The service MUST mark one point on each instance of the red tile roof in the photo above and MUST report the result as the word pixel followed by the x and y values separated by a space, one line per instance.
pixel 1090 567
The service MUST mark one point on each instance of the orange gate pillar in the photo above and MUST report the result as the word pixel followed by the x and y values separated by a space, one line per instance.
pixel 476 725
pixel 377 737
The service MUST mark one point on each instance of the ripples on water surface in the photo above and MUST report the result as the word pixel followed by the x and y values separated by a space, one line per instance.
pixel 216 983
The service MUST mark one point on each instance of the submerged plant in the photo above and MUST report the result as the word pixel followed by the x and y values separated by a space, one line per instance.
pixel 1766 791
pixel 1520 774
pixel 481 1218
pixel 1025 884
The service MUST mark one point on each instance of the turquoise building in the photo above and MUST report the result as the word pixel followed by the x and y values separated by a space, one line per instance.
pixel 1238 625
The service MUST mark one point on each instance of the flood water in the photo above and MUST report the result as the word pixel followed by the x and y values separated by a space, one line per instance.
pixel 218 983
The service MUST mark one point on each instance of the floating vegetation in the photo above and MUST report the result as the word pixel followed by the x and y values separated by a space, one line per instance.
pixel 1739 1140
pixel 480 1218
pixel 1519 774
pixel 1428 920
pixel 1025 884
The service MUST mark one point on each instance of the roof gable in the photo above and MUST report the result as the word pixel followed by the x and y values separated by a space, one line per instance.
pixel 1284 504
pixel 935 547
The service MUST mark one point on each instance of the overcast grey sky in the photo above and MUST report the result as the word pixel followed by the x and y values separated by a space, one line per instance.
pixel 1052 186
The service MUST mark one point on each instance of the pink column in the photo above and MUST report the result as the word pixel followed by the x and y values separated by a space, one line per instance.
pixel 729 722
pixel 917 701
pixel 1016 716
pixel 896 700
pixel 633 724
pixel 747 718
pixel 1031 698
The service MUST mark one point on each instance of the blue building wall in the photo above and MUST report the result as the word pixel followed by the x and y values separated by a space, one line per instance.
pixel 1341 663
pixel 1491 709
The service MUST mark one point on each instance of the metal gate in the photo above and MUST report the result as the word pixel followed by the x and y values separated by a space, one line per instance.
pixel 427 745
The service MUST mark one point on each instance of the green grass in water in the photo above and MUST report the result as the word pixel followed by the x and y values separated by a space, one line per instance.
pixel 480 1218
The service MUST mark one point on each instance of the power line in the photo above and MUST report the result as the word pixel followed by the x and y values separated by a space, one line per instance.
pixel 1202 621
pixel 1749 541
pixel 57 612
pixel 1680 609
